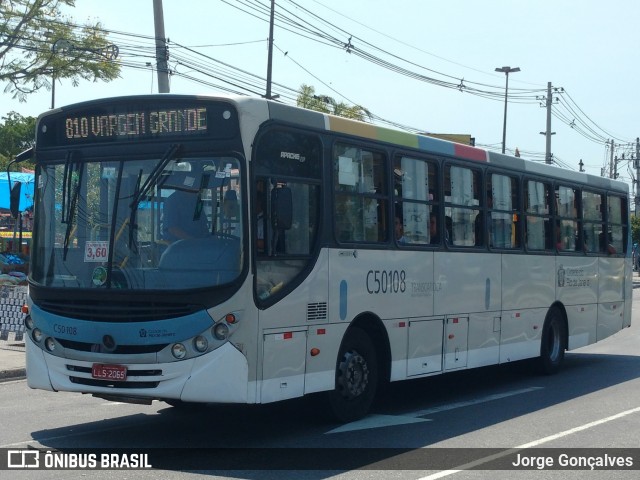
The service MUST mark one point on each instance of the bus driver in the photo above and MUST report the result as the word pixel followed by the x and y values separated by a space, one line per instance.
pixel 183 216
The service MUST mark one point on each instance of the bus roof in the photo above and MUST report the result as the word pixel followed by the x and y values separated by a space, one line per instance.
pixel 434 145
pixel 323 121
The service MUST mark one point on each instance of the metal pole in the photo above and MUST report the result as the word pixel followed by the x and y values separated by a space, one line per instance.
pixel 161 47
pixel 53 89
pixel 270 57
pixel 637 165
pixel 504 125
pixel 506 71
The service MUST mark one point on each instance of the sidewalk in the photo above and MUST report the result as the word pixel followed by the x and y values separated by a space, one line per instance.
pixel 12 358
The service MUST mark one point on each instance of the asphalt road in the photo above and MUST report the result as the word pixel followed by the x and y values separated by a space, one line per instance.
pixel 473 418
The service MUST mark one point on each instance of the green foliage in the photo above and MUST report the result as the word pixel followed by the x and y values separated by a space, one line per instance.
pixel 38 42
pixel 307 98
pixel 17 133
pixel 635 229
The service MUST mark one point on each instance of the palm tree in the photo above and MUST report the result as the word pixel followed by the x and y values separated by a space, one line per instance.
pixel 307 98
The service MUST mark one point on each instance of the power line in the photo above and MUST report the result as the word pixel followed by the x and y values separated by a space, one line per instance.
pixel 137 49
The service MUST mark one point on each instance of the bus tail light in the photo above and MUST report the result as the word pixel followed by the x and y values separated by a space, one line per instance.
pixel 230 318
pixel 28 322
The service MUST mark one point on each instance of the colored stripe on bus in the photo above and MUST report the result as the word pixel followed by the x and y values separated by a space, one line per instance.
pixel 411 140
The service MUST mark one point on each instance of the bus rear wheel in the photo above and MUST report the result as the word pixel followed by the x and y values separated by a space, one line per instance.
pixel 554 341
pixel 356 377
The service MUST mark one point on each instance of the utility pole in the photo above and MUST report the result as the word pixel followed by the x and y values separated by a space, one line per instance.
pixel 548 132
pixel 611 161
pixel 161 47
pixel 547 155
pixel 268 95
pixel 637 165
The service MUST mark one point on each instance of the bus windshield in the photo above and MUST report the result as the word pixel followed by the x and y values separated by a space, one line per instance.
pixel 169 223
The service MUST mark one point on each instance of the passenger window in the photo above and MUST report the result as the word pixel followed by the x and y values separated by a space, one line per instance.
pixel 503 202
pixel 414 208
pixel 464 221
pixel 592 226
pixel 538 231
pixel 616 242
pixel 567 228
pixel 361 199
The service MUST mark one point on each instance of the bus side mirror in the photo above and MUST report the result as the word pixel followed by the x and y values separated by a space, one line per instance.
pixel 14 199
pixel 282 208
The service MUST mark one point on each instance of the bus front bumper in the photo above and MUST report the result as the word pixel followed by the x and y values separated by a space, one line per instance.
pixel 220 376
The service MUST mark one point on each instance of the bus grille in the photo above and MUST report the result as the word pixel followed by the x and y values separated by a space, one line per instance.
pixel 119 350
pixel 92 382
pixel 117 311
pixel 316 311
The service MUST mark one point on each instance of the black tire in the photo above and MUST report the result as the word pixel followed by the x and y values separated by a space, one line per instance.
pixel 553 342
pixel 356 377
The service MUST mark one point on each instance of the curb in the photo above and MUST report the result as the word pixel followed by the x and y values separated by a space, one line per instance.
pixel 15 374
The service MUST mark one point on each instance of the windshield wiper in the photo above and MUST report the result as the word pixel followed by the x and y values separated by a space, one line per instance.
pixel 140 192
pixel 76 168
pixel 132 216
pixel 155 173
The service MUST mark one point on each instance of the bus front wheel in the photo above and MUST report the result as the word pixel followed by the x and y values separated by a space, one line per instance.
pixel 554 341
pixel 356 377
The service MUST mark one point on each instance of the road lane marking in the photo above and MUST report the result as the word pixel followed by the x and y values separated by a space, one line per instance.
pixel 379 421
pixel 535 443
pixel 469 403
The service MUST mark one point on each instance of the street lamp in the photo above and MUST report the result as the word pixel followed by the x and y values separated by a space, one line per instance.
pixel 506 71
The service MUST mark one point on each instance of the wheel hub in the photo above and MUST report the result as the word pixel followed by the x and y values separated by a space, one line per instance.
pixel 354 375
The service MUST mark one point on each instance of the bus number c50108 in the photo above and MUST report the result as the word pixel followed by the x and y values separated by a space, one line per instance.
pixel 386 281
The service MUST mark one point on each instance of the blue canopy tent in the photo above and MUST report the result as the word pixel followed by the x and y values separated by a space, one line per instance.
pixel 26 190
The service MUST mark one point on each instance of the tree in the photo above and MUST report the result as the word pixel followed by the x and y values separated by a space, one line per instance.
pixel 17 133
pixel 38 43
pixel 325 104
pixel 635 229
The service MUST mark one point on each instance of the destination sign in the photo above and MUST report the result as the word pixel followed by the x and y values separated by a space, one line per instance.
pixel 157 123
pixel 137 120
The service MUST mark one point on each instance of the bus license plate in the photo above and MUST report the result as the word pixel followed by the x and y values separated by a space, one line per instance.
pixel 109 372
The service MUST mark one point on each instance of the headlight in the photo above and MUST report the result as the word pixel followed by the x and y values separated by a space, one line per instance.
pixel 179 351
pixel 200 343
pixel 220 331
pixel 50 344
pixel 28 321
pixel 36 335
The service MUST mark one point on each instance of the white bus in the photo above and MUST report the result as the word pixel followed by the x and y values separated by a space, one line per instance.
pixel 314 254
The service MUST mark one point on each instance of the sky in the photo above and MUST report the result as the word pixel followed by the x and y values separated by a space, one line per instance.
pixel 587 49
